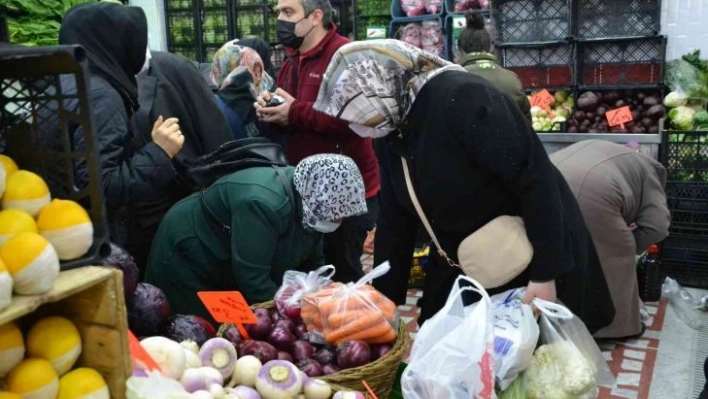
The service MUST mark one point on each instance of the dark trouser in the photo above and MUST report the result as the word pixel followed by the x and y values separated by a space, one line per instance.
pixel 343 248
pixel 138 245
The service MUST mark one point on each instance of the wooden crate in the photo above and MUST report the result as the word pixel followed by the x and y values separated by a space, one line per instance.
pixel 92 297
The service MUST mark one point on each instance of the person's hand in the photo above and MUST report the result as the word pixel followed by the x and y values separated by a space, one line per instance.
pixel 632 226
pixel 167 135
pixel 278 114
pixel 545 291
pixel 262 99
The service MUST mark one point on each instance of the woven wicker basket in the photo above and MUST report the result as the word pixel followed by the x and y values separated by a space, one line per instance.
pixel 379 374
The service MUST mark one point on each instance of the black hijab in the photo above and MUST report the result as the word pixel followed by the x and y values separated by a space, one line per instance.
pixel 115 38
pixel 262 49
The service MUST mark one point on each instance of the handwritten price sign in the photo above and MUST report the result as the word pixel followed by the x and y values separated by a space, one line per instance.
pixel 228 307
pixel 619 116
pixel 543 99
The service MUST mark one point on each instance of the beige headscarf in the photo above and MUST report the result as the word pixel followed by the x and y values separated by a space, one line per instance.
pixel 373 84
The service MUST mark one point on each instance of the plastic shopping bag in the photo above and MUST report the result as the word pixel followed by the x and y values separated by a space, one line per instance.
pixel 452 356
pixel 295 285
pixel 353 311
pixel 568 363
pixel 516 334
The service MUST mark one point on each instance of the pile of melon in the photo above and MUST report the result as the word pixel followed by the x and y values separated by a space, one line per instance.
pixel 36 233
pixel 40 364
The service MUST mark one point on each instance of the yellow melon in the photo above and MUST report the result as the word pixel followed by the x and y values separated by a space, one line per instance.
pixel 26 191
pixel 32 262
pixel 83 383
pixel 34 379
pixel 56 340
pixel 67 226
pixel 8 164
pixel 15 221
pixel 12 348
pixel 5 287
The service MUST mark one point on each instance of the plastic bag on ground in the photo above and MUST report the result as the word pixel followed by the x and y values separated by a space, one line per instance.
pixel 685 306
pixel 355 311
pixel 568 364
pixel 295 285
pixel 452 355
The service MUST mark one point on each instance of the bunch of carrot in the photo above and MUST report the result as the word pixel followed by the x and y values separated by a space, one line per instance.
pixel 342 313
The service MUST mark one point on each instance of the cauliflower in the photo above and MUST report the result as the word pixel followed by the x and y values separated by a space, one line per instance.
pixel 682 117
pixel 675 99
pixel 535 111
pixel 559 371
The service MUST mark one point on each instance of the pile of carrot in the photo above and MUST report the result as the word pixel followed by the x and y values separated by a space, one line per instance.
pixel 342 313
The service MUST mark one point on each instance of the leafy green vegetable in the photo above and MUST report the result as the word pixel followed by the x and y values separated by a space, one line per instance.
pixel 700 119
pixel 37 23
pixel 690 75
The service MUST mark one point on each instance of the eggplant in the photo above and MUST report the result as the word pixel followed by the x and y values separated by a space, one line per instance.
pixel 647 122
pixel 620 103
pixel 579 116
pixel 639 129
pixel 600 111
pixel 611 96
pixel 651 101
pixel 572 129
pixel 636 115
pixel 641 96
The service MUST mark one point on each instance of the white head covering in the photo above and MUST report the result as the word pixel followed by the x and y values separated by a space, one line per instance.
pixel 373 83
pixel 331 188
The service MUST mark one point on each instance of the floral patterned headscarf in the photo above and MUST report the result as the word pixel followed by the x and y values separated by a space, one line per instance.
pixel 373 84
pixel 232 60
pixel 331 188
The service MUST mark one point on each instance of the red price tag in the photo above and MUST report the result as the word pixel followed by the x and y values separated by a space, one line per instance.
pixel 619 116
pixel 543 99
pixel 138 353
pixel 228 307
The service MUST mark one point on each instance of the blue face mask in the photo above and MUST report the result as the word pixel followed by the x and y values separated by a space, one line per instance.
pixel 324 226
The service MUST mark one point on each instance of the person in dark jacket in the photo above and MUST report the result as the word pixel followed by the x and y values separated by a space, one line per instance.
pixel 171 85
pixel 475 44
pixel 621 194
pixel 306 30
pixel 239 74
pixel 473 157
pixel 115 39
pixel 269 232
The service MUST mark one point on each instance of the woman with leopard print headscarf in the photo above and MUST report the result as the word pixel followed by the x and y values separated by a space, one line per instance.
pixel 251 226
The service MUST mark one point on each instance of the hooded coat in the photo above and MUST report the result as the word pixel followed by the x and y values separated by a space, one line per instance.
pixel 115 39
pixel 616 187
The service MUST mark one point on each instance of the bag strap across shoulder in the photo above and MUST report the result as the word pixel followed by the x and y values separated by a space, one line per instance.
pixel 421 214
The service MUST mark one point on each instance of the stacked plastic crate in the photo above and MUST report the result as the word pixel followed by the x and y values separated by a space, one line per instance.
pixel 196 29
pixel 579 45
pixel 684 254
pixel 420 23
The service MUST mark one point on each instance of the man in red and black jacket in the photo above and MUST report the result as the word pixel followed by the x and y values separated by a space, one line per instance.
pixel 306 30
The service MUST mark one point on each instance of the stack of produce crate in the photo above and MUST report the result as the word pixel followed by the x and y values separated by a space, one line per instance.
pixel 420 23
pixel 605 47
pixel 196 29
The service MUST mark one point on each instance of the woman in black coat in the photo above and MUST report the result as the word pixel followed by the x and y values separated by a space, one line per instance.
pixel 473 157
pixel 132 170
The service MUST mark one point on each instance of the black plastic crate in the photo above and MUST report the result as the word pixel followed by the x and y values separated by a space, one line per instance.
pixel 621 62
pixel 183 5
pixel 616 18
pixel 252 21
pixel 215 28
pixel 686 260
pixel 454 23
pixel 4 33
pixel 189 52
pixel 181 28
pixel 35 127
pixel 532 21
pixel 685 156
pixel 399 30
pixel 541 65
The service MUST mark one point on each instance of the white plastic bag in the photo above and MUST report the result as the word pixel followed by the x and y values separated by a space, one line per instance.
pixel 684 304
pixel 452 356
pixel 515 336
pixel 568 364
pixel 297 284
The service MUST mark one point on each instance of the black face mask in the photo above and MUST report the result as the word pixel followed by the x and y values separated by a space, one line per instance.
pixel 285 30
